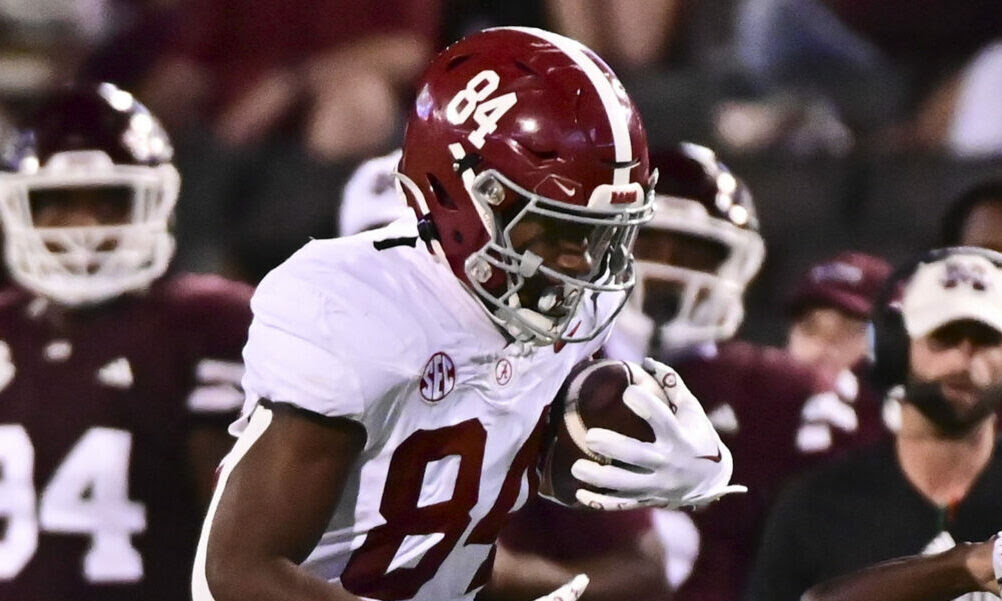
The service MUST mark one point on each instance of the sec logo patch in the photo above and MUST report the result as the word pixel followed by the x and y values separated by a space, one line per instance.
pixel 439 377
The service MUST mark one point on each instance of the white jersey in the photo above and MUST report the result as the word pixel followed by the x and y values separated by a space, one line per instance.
pixel 454 414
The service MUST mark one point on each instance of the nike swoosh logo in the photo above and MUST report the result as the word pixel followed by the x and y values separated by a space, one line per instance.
pixel 714 458
pixel 567 191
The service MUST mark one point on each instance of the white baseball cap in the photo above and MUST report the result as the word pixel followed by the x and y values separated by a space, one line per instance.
pixel 957 287
pixel 371 198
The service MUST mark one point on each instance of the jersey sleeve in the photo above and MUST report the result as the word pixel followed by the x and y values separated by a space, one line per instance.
pixel 298 350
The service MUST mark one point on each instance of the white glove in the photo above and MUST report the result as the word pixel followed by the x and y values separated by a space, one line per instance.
pixel 568 592
pixel 687 465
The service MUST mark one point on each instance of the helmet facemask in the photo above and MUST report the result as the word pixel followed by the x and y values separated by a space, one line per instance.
pixel 680 302
pixel 79 265
pixel 602 233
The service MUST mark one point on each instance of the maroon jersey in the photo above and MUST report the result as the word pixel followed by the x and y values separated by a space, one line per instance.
pixel 97 502
pixel 564 534
pixel 871 408
pixel 777 417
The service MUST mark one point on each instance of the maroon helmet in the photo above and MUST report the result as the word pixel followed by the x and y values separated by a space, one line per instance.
pixel 516 122
pixel 693 295
pixel 97 138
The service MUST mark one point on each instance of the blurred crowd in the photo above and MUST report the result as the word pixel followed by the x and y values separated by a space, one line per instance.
pixel 846 118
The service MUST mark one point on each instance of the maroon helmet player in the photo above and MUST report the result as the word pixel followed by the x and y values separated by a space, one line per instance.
pixel 694 258
pixel 694 261
pixel 116 381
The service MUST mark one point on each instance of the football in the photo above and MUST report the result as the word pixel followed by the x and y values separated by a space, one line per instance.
pixel 591 397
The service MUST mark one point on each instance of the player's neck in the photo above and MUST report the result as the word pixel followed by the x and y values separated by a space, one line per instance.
pixel 943 468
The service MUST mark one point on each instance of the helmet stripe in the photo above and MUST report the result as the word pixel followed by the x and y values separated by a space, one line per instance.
pixel 459 153
pixel 615 111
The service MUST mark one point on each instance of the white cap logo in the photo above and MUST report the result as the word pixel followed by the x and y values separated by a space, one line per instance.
pixel 958 287
pixel 960 273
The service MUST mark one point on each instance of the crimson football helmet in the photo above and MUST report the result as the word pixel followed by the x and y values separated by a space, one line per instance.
pixel 101 140
pixel 514 124
pixel 690 290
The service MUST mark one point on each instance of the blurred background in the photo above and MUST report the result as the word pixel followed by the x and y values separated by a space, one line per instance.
pixel 854 122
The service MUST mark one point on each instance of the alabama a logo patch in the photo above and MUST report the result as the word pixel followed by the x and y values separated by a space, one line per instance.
pixel 438 378
pixel 503 371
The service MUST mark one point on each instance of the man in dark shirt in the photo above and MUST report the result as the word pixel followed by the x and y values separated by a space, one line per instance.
pixel 939 482
pixel 973 219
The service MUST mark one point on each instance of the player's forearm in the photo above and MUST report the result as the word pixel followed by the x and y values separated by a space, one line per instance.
pixel 272 580
pixel 624 574
pixel 927 578
pixel 522 576
pixel 619 576
pixel 259 531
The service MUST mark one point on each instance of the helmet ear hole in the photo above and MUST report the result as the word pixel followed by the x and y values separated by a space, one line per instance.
pixel 459 60
pixel 439 194
pixel 544 155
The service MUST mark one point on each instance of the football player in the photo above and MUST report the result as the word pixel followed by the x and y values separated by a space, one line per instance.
pixel 116 381
pixel 398 380
pixel 543 545
pixel 694 261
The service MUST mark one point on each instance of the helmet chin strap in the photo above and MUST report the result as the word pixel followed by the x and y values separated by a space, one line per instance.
pixel 527 268
pixel 530 264
pixel 519 331
pixel 426 227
